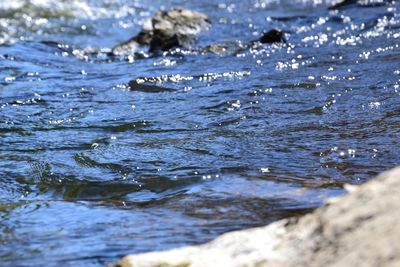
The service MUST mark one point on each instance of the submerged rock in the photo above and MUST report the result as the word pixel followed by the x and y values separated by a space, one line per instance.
pixel 343 3
pixel 232 47
pixel 365 3
pixel 225 48
pixel 273 36
pixel 167 29
pixel 178 28
pixel 360 229
pixel 142 85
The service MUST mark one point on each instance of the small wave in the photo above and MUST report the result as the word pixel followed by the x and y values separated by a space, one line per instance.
pixel 20 19
pixel 47 9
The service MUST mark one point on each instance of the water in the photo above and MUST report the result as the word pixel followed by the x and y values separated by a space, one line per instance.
pixel 91 171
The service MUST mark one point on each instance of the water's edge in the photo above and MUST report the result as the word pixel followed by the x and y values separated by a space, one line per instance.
pixel 358 229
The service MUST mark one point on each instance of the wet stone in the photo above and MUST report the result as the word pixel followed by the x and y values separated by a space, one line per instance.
pixel 234 47
pixel 350 3
pixel 273 36
pixel 167 29
pixel 142 86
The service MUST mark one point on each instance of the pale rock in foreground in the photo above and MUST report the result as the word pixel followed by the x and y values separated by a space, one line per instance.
pixel 359 229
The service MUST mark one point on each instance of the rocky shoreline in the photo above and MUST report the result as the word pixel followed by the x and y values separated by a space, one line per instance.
pixel 358 229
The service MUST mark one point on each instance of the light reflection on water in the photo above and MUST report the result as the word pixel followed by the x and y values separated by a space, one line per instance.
pixel 231 137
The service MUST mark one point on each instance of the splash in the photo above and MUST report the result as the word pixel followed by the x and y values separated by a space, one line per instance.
pixel 21 20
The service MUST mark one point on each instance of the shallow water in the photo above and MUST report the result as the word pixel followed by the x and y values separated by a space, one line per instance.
pixel 91 171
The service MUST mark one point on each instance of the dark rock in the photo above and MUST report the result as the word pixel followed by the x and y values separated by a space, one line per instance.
pixel 233 47
pixel 132 45
pixel 225 48
pixel 273 36
pixel 348 3
pixel 342 4
pixel 144 37
pixel 162 41
pixel 141 85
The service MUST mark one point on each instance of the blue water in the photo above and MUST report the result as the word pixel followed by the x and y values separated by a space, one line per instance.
pixel 91 171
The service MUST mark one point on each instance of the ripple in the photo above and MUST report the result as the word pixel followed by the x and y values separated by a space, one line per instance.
pixel 99 151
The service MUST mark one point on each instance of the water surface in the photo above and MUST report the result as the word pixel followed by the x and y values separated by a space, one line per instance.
pixel 91 171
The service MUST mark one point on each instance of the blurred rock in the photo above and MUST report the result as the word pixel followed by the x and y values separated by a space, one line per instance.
pixel 141 85
pixel 365 3
pixel 167 29
pixel 344 3
pixel 235 47
pixel 273 36
pixel 359 229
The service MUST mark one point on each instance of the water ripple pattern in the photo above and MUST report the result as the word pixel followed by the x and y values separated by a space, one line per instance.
pixel 103 156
